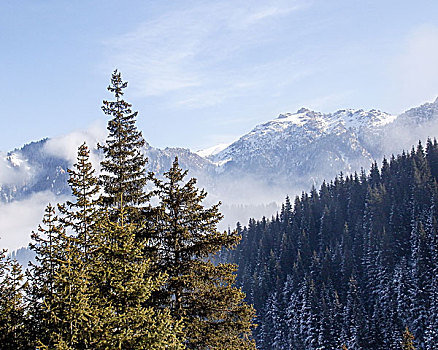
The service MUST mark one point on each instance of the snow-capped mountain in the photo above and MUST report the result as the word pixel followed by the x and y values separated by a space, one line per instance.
pixel 305 147
pixel 291 151
pixel 281 157
pixel 33 168
pixel 211 151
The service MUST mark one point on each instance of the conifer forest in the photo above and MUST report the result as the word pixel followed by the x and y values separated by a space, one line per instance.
pixel 114 271
pixel 136 261
pixel 352 265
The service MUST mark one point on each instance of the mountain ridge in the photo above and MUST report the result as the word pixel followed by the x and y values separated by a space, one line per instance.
pixel 283 156
pixel 290 144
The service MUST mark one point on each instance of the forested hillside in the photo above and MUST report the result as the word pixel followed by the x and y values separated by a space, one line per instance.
pixel 353 263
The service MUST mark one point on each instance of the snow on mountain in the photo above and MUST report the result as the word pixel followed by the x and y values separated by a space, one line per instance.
pixel 305 146
pixel 15 160
pixel 211 151
pixel 326 123
pixel 306 126
pixel 283 156
pixel 415 124
pixel 419 115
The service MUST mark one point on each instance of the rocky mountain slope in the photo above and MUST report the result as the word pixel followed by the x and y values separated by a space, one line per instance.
pixel 283 156
pixel 306 146
pixel 34 168
pixel 294 150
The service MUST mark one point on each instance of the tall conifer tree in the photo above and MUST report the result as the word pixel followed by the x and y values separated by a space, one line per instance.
pixel 41 276
pixel 122 283
pixel 198 292
pixel 80 214
pixel 70 311
pixel 123 177
pixel 13 315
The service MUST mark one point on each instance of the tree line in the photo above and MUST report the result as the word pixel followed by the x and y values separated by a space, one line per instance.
pixel 353 264
pixel 127 262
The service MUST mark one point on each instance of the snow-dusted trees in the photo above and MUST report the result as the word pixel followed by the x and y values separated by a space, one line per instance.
pixel 352 264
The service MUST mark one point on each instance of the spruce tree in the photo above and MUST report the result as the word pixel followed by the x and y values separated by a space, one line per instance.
pixel 271 324
pixel 41 276
pixel 122 283
pixel 197 292
pixel 79 215
pixel 13 315
pixel 123 170
pixel 69 313
pixel 353 317
pixel 120 269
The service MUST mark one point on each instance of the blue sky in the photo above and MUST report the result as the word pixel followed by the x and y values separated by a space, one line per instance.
pixel 205 72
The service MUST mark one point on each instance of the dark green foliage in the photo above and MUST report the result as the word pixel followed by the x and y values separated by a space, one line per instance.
pixel 123 179
pixel 198 292
pixel 79 216
pixel 59 303
pixel 112 271
pixel 41 276
pixel 121 284
pixel 72 309
pixel 13 316
pixel 69 312
pixel 351 264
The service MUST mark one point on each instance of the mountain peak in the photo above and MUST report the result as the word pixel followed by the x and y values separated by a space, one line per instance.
pixel 357 118
pixel 349 118
pixel 303 110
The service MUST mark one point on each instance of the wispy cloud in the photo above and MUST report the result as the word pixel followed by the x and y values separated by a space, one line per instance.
pixel 199 56
pixel 18 219
pixel 66 146
pixel 262 13
pixel 415 68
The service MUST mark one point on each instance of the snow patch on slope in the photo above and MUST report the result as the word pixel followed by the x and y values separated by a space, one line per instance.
pixel 211 151
pixel 291 130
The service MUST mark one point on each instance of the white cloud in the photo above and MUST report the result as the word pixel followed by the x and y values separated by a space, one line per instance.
pixel 415 69
pixel 199 51
pixel 18 219
pixel 66 146
pixel 264 13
